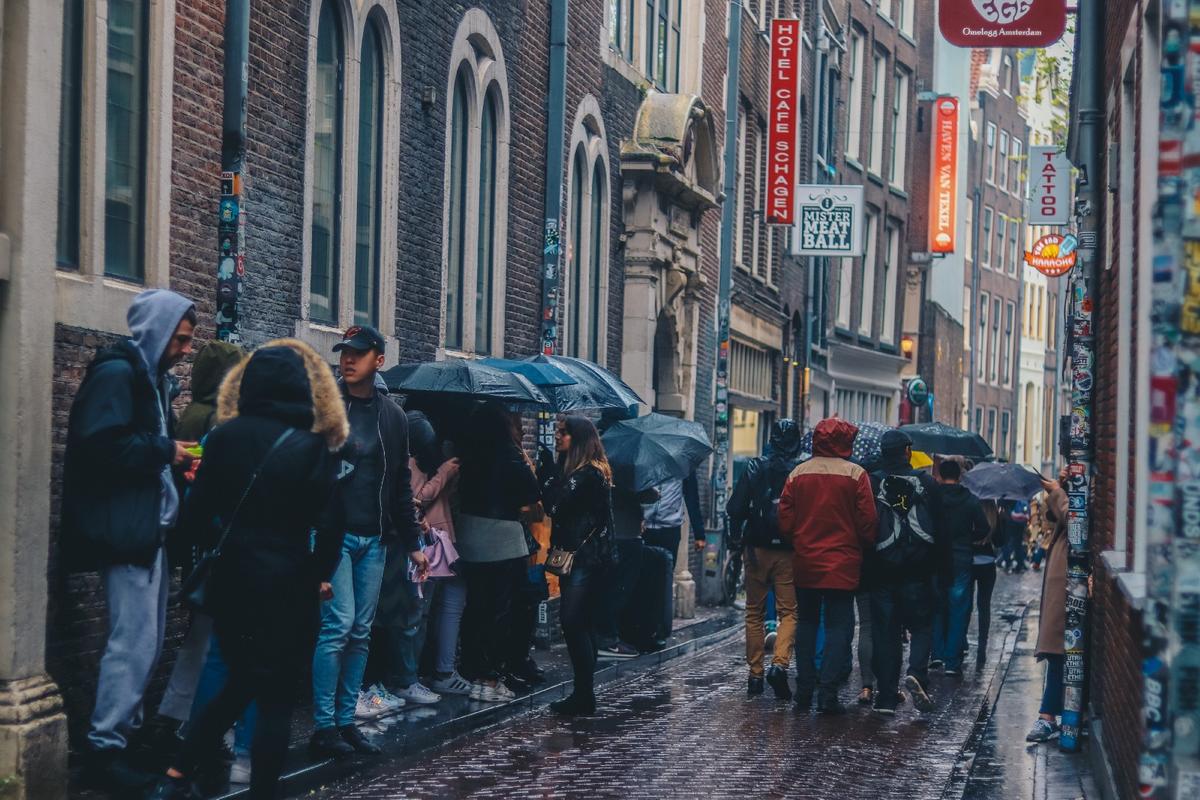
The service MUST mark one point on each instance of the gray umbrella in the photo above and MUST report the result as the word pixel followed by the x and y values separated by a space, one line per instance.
pixel 1003 482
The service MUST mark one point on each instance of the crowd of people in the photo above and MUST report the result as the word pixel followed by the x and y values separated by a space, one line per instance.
pixel 389 555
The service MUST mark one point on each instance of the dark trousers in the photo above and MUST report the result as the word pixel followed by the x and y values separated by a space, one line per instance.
pixel 666 538
pixel 618 584
pixel 488 621
pixel 1052 694
pixel 838 605
pixel 576 613
pixel 249 681
pixel 894 608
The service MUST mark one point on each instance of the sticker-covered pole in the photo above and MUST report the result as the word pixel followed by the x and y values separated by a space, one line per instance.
pixel 231 216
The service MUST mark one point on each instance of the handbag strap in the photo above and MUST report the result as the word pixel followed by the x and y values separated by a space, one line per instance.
pixel 283 437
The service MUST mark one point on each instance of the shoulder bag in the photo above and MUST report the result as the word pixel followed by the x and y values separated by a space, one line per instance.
pixel 560 562
pixel 195 588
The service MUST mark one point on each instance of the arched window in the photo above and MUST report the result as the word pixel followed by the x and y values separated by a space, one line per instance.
pixel 327 167
pixel 588 215
pixel 476 190
pixel 370 157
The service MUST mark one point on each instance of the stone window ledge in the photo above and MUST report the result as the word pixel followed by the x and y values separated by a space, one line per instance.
pixel 323 337
pixel 1132 584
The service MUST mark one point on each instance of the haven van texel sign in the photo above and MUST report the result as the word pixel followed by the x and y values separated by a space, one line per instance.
pixel 829 221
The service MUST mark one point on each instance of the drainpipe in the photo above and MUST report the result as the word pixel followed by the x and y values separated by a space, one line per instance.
pixel 977 225
pixel 556 106
pixel 815 264
pixel 231 228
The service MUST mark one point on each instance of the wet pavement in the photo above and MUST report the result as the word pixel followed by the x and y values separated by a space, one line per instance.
pixel 687 729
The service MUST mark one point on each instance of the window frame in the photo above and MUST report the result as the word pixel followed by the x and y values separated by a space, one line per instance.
pixel 588 153
pixel 878 110
pixel 866 292
pixel 982 357
pixel 857 59
pixel 1001 166
pixel 900 109
pixel 990 153
pixel 891 282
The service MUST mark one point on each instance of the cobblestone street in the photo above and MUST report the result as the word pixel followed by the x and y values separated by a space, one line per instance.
pixel 688 730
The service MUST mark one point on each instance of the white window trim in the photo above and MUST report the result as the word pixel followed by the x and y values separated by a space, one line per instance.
pixel 990 158
pixel 866 316
pixel 760 269
pixel 854 121
pixel 891 283
pixel 594 144
pixel 86 298
pixel 875 153
pixel 845 293
pixel 354 18
pixel 739 220
pixel 900 151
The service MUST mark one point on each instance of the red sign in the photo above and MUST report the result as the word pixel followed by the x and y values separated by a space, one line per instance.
pixel 1002 23
pixel 782 141
pixel 943 195
pixel 1053 254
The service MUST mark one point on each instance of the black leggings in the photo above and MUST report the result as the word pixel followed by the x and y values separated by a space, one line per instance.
pixel 249 681
pixel 983 576
pixel 576 612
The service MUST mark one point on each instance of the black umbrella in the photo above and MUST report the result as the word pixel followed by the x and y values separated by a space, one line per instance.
pixel 463 377
pixel 646 451
pixel 934 437
pixel 595 388
pixel 1003 482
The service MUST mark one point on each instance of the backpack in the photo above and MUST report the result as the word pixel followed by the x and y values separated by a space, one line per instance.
pixel 905 533
pixel 764 503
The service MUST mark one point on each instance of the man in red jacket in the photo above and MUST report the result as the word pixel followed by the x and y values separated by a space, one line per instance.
pixel 827 509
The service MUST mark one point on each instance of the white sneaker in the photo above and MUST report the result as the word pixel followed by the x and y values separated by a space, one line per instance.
pixel 497 694
pixel 476 692
pixel 370 706
pixel 452 684
pixel 390 700
pixel 240 771
pixel 417 694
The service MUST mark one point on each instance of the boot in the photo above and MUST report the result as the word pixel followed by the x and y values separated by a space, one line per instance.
pixel 575 705
pixel 778 678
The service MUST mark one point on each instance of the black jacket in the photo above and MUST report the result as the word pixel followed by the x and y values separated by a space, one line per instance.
pixel 497 485
pixel 112 478
pixel 580 507
pixel 964 521
pixel 761 527
pixel 399 514
pixel 875 572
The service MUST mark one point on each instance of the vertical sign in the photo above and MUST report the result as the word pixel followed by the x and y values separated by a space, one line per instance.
pixel 1050 178
pixel 943 197
pixel 782 142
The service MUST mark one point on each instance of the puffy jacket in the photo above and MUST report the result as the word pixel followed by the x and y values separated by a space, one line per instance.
pixel 827 511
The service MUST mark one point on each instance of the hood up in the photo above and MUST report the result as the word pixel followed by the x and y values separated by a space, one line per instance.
pixel 834 438
pixel 289 382
pixel 785 440
pixel 212 362
pixel 153 317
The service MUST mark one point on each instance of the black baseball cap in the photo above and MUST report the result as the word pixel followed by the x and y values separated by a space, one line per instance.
pixel 361 338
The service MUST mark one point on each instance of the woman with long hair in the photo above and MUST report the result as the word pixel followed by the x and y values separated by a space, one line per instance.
pixel 578 499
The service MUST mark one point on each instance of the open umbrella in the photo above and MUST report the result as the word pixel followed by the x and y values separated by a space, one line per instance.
pixel 866 443
pixel 463 377
pixel 540 375
pixel 934 437
pixel 595 388
pixel 920 460
pixel 646 451
pixel 1003 482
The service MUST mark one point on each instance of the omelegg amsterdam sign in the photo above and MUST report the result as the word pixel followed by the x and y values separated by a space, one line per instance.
pixel 1002 23
pixel 782 141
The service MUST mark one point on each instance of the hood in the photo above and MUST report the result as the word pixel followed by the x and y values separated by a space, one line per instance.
pixel 153 317
pixel 785 440
pixel 296 386
pixel 212 362
pixel 834 438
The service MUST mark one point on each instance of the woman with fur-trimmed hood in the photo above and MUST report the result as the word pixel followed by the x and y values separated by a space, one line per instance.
pixel 268 472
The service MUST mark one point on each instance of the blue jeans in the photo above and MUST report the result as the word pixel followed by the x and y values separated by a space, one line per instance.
pixel 1052 694
pixel 341 655
pixel 213 677
pixel 958 602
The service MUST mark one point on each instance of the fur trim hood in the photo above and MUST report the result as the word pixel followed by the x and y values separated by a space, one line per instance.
pixel 328 413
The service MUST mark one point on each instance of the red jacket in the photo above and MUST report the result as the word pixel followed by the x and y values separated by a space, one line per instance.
pixel 828 510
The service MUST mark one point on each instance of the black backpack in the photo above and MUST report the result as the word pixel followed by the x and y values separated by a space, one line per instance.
pixel 905 532
pixel 767 487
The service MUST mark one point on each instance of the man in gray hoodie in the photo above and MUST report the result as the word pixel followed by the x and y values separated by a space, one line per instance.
pixel 119 501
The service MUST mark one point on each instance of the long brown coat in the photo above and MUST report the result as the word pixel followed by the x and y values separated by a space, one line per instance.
pixel 1052 628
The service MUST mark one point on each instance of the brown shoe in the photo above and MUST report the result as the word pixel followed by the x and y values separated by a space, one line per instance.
pixel 867 696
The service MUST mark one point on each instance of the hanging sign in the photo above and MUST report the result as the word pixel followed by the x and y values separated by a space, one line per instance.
pixel 1053 254
pixel 829 221
pixel 1002 23
pixel 782 141
pixel 943 196
pixel 1050 179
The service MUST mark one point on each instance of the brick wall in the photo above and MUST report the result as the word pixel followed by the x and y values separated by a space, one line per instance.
pixel 942 363
pixel 1115 685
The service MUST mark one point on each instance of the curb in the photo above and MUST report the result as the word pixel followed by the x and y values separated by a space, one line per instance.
pixel 708 634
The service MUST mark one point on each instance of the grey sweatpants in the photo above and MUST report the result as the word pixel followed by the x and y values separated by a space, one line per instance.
pixel 137 616
pixel 189 663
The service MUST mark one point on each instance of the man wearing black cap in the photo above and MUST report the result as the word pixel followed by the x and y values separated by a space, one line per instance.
pixel 910 547
pixel 375 495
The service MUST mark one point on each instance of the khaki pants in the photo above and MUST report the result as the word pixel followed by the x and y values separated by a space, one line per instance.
pixel 767 569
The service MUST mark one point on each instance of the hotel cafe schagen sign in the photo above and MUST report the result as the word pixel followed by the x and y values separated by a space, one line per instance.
pixel 1002 23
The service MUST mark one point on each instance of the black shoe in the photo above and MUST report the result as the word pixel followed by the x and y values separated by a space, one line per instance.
pixel 352 736
pixel 173 789
pixel 516 683
pixel 574 706
pixel 529 672
pixel 110 771
pixel 778 678
pixel 755 685
pixel 936 663
pixel 328 743
pixel 980 662
pixel 802 702
pixel 830 706
pixel 155 744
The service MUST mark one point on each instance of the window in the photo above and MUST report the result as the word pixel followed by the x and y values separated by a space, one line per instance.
pixel 891 284
pixel 588 213
pixel 662 36
pixel 845 291
pixel 995 340
pixel 990 156
pixel 867 292
pixel 69 133
pixel 904 15
pixel 752 370
pixel 1015 184
pixel 985 241
pixel 991 429
pixel 1002 447
pixel 1006 73
pixel 759 269
pixel 476 191
pixel 739 211
pixel 1001 228
pixel 125 139
pixel 1001 168
pixel 900 129
pixel 370 159
pixel 885 8
pixel 969 229
pixel 979 421
pixel 875 161
pixel 855 94
pixel 1014 249
pixel 327 168
pixel 620 27
pixel 981 357
pixel 1007 353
